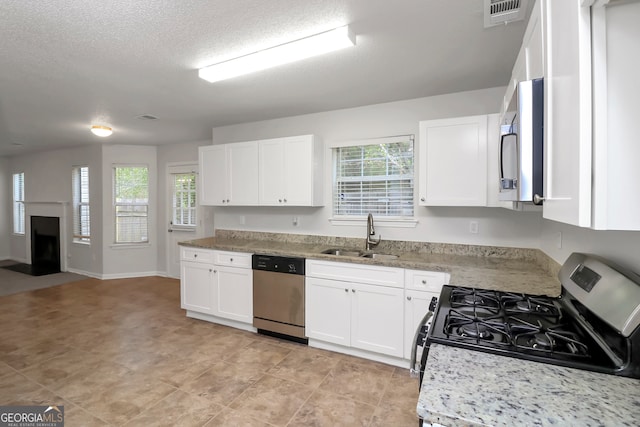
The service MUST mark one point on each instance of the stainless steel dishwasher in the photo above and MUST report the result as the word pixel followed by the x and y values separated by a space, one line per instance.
pixel 278 296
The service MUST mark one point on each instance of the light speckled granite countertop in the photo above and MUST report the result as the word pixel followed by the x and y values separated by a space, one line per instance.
pixel 521 393
pixel 487 267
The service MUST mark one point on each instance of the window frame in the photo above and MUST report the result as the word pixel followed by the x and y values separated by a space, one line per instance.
pixel 19 212
pixel 388 221
pixel 134 205
pixel 173 172
pixel 78 204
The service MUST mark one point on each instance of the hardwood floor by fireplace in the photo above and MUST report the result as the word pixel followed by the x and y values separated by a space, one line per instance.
pixel 122 352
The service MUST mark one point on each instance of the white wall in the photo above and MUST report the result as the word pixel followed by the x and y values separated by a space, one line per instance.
pixel 176 153
pixel 622 247
pixel 5 208
pixel 451 225
pixel 129 260
pixel 47 178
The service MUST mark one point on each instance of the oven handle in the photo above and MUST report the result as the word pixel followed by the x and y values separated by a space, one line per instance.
pixel 414 365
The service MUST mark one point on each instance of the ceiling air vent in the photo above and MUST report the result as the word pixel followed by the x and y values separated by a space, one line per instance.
pixel 498 12
pixel 146 117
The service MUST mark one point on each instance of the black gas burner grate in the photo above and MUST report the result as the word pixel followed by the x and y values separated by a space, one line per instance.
pixel 463 326
pixel 475 300
pixel 520 303
pixel 557 339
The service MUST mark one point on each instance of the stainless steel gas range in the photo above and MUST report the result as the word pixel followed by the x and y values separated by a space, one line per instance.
pixel 593 325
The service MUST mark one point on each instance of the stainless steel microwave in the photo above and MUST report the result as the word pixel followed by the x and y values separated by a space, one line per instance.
pixel 521 145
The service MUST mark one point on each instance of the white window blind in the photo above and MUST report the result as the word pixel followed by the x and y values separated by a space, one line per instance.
pixel 81 210
pixel 18 203
pixel 184 199
pixel 375 177
pixel 131 203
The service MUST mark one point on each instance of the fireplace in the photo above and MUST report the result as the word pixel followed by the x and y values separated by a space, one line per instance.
pixel 45 245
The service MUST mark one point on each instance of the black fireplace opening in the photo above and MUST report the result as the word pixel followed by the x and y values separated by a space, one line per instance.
pixel 45 245
pixel 45 248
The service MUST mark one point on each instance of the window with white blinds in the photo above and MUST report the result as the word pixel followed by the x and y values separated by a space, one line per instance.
pixel 374 176
pixel 131 203
pixel 81 210
pixel 18 203
pixel 184 199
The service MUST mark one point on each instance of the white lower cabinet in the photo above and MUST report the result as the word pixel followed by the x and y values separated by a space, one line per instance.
pixel 217 289
pixel 368 317
pixel 416 305
pixel 234 293
pixel 328 310
pixel 376 319
pixel 196 287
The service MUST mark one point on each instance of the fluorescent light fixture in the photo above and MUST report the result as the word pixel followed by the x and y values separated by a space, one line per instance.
pixel 318 44
pixel 101 131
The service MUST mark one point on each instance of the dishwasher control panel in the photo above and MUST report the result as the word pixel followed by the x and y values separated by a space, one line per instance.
pixel 279 264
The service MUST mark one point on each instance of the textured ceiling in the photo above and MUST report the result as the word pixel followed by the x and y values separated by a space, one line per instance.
pixel 65 64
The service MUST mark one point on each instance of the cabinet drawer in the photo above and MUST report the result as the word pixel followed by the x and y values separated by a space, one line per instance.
pixel 358 273
pixel 197 255
pixel 430 281
pixel 234 259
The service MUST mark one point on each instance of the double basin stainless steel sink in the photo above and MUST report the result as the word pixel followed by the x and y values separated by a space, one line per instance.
pixel 359 254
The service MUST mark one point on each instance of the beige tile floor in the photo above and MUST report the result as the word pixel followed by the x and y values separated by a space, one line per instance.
pixel 122 352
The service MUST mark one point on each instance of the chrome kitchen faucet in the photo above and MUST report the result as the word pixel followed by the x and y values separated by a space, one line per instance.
pixel 370 243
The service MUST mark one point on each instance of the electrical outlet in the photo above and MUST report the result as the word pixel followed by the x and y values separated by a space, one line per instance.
pixel 242 220
pixel 473 227
pixel 295 221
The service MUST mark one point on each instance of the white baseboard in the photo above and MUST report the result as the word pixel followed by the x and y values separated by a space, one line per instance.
pixel 85 273
pixel 221 321
pixel 132 275
pixel 390 360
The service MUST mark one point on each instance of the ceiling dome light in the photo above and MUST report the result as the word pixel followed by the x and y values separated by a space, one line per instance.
pixel 101 131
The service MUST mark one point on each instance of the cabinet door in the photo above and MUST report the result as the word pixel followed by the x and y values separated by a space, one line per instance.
pixel 416 305
pixel 298 171
pixel 376 319
pixel 213 175
pixel 243 173
pixel 196 287
pixel 272 172
pixel 567 120
pixel 532 45
pixel 328 310
pixel 233 297
pixel 453 162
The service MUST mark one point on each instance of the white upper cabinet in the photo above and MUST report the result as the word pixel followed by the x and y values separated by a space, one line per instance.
pixel 453 162
pixel 273 172
pixel 242 171
pixel 532 45
pixel 567 93
pixel 229 174
pixel 213 175
pixel 616 67
pixel 290 171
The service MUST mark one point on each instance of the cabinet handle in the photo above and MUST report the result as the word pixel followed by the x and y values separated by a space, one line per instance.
pixel 279 200
pixel 223 201
pixel 353 290
pixel 210 270
pixel 422 199
pixel 346 290
pixel 195 255
pixel 227 200
pixel 408 298
pixel 215 271
pixel 230 259
pixel 424 282
pixel 285 200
